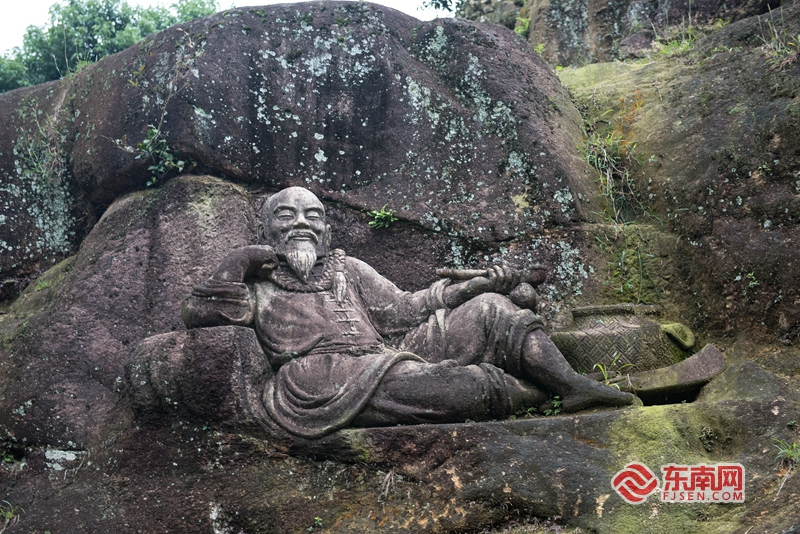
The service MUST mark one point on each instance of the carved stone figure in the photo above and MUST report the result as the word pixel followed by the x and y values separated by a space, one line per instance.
pixel 467 352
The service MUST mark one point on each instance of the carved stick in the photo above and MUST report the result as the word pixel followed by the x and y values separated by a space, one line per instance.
pixel 535 276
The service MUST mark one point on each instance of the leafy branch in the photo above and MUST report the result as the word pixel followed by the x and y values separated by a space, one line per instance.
pixel 154 147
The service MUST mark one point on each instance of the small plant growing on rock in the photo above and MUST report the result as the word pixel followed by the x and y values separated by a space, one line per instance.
pixel 612 370
pixel 608 153
pixel 782 48
pixel 41 149
pixel 382 218
pixel 317 524
pixel 9 515
pixel 42 284
pixel 155 148
pixel 556 403
pixel 788 456
pixel 522 27
pixel 678 46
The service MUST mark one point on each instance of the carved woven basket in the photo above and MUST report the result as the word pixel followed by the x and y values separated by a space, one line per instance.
pixel 629 333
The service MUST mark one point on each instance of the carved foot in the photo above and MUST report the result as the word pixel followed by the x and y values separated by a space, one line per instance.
pixel 592 394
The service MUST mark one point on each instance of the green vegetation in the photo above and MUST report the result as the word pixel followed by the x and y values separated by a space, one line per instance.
pixel 610 154
pixel 529 412
pixel 317 524
pixel 81 32
pixel 522 27
pixel 612 370
pixel 155 149
pixel 782 48
pixel 679 43
pixel 607 149
pixel 445 5
pixel 9 515
pixel 40 148
pixel 555 404
pixel 788 456
pixel 42 284
pixel 382 218
pixel 788 453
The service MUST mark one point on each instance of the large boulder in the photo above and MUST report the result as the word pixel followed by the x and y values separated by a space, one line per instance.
pixel 454 125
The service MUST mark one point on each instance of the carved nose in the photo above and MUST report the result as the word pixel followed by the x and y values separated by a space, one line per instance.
pixel 301 222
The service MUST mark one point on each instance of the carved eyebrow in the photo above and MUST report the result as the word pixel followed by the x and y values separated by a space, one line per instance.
pixel 284 207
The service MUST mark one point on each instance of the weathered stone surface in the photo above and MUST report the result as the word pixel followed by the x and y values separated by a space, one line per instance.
pixel 364 105
pixel 717 137
pixel 681 381
pixel 639 44
pixel 67 338
pixel 215 375
pixel 584 32
pixel 429 478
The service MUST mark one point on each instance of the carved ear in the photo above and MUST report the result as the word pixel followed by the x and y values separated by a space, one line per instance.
pixel 327 235
pixel 261 233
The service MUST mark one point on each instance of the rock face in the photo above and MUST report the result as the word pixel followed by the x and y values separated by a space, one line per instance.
pixel 69 336
pixel 585 32
pixel 450 123
pixel 462 129
pixel 716 134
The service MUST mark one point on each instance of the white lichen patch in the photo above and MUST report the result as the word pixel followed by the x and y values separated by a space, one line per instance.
pixel 20 411
pixel 60 459
pixel 435 50
pixel 36 200
pixel 218 522
pixel 569 272
pixel 419 98
pixel 565 201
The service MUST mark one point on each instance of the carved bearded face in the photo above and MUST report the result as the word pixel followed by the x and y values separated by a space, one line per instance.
pixel 293 223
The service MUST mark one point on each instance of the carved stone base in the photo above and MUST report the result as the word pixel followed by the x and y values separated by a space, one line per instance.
pixel 214 375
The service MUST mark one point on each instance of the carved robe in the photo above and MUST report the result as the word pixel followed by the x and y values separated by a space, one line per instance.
pixel 325 340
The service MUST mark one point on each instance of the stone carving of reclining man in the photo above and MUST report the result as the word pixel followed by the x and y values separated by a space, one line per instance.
pixel 467 353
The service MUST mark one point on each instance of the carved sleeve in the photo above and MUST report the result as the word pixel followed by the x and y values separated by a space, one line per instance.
pixel 217 303
pixel 391 310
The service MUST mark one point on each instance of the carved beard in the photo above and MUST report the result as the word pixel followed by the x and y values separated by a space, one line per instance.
pixel 301 257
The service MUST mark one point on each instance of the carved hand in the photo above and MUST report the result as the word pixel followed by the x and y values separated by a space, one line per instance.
pixel 499 280
pixel 243 262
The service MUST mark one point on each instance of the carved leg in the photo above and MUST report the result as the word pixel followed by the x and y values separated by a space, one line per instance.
pixel 415 392
pixel 545 366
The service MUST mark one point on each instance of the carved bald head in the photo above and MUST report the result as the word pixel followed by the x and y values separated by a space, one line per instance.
pixel 293 223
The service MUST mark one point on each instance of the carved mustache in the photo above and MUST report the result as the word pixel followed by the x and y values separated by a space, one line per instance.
pixel 302 234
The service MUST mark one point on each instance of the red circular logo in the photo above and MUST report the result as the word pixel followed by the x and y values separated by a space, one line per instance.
pixel 635 482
